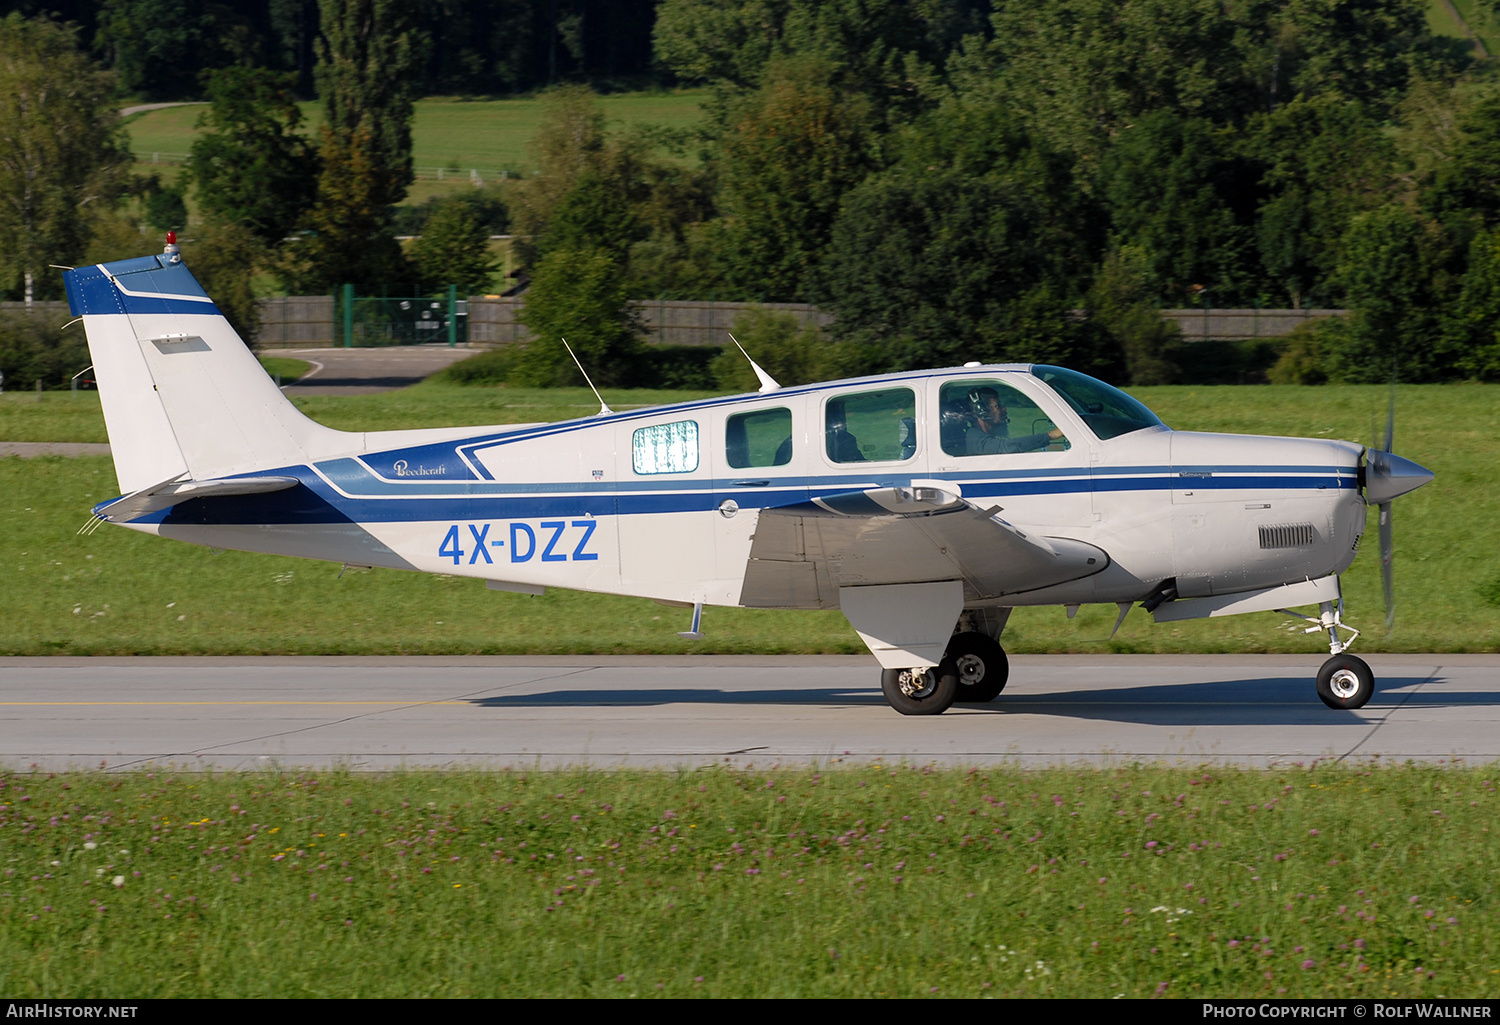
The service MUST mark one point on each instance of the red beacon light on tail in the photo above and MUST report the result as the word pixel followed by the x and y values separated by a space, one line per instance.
pixel 171 251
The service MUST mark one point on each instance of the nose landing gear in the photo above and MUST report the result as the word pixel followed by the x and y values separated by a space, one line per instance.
pixel 1344 682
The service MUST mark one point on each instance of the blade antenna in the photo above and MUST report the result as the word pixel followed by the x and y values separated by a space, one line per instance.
pixel 603 406
pixel 767 382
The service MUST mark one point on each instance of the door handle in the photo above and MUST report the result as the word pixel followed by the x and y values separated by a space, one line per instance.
pixel 752 483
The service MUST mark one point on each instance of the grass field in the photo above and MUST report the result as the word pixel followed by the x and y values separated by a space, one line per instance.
pixel 1478 20
pixel 284 367
pixel 119 592
pixel 1328 882
pixel 458 135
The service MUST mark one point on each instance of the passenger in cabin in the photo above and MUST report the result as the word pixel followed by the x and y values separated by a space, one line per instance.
pixel 843 447
pixel 783 453
pixel 989 431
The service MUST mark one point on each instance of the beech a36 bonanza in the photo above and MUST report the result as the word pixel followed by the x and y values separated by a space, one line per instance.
pixel 925 505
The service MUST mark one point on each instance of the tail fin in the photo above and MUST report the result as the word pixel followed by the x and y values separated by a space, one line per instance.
pixel 182 394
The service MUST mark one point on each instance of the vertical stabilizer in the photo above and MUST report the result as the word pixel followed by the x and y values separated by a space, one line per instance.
pixel 182 394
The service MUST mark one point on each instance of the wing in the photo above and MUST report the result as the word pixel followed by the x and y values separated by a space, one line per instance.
pixel 802 554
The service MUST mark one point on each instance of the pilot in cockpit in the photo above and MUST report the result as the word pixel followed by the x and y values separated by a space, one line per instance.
pixel 989 428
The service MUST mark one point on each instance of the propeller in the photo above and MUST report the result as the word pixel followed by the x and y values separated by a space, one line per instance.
pixel 1388 477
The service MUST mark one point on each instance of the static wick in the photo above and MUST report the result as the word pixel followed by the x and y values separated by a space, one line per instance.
pixel 603 406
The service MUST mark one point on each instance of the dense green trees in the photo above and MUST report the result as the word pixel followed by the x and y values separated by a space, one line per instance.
pixel 251 164
pixel 62 158
pixel 454 249
pixel 952 178
pixel 366 56
pixel 970 248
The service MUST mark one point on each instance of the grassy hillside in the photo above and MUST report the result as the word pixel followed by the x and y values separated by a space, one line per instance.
pixel 454 135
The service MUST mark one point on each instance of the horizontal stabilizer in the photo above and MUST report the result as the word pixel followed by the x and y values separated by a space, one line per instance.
pixel 170 493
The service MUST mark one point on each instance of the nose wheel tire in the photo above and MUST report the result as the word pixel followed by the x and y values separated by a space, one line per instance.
pixel 980 665
pixel 923 691
pixel 1345 682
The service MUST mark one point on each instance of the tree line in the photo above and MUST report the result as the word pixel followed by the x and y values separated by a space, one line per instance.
pixel 159 49
pixel 1012 181
pixel 954 180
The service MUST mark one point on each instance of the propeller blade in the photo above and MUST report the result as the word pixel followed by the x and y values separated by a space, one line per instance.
pixel 1390 422
pixel 1386 549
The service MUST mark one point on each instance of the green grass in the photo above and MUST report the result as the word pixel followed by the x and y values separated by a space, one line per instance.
pixel 121 583
pixel 1329 882
pixel 285 367
pixel 1480 22
pixel 489 135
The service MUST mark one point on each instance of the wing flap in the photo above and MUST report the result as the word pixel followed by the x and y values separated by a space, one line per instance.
pixel 884 536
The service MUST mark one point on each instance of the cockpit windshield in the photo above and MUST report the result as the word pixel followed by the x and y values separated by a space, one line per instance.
pixel 1106 410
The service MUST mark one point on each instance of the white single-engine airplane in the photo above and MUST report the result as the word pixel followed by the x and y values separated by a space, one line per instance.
pixel 924 505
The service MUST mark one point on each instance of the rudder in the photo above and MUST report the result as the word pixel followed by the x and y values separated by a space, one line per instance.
pixel 182 394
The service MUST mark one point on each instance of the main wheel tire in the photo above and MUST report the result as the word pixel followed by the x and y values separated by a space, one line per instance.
pixel 926 691
pixel 1345 682
pixel 980 665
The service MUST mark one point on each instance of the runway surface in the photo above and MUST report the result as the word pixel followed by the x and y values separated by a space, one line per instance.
pixel 669 711
pixel 364 371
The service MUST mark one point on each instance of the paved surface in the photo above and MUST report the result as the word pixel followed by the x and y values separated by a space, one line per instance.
pixel 364 371
pixel 376 713
pixel 27 449
pixel 141 108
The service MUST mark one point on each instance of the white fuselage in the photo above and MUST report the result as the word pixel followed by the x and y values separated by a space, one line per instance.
pixel 569 504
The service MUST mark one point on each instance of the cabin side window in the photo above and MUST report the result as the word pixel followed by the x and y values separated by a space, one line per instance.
pixel 759 438
pixel 666 448
pixel 872 426
pixel 979 417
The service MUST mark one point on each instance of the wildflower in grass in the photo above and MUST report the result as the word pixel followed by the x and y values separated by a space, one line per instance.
pixel 119 881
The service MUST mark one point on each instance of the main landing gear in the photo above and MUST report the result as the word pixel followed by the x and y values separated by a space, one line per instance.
pixel 974 669
pixel 1344 682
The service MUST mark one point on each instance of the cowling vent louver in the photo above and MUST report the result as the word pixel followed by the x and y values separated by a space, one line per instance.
pixel 1288 535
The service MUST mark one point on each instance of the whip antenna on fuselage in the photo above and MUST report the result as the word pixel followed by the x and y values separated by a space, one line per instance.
pixel 603 406
pixel 767 382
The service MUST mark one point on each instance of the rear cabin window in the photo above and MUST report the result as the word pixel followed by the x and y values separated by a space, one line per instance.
pixel 666 448
pixel 761 438
pixel 872 426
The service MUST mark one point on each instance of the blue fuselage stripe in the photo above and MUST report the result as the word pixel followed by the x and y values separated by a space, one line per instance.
pixel 316 502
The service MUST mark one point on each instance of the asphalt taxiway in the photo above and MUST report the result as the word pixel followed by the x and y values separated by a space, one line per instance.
pixel 688 711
